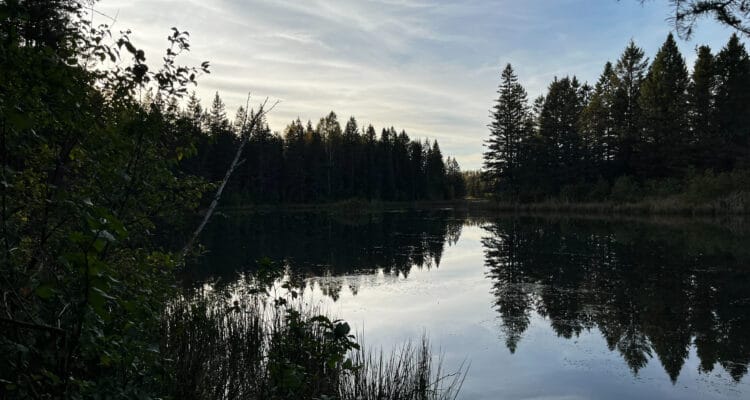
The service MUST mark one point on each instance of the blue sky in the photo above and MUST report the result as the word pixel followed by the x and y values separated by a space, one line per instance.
pixel 430 67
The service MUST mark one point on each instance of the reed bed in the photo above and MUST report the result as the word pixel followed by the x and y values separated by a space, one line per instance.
pixel 253 347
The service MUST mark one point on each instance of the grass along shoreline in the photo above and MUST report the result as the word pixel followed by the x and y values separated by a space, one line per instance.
pixel 245 342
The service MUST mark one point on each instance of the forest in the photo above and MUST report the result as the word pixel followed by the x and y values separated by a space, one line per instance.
pixel 645 128
pixel 317 164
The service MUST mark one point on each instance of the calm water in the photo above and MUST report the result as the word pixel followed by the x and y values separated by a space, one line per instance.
pixel 541 308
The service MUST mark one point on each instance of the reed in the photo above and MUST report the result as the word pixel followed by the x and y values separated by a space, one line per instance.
pixel 256 347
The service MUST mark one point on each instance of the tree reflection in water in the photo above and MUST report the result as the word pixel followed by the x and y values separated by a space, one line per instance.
pixel 651 290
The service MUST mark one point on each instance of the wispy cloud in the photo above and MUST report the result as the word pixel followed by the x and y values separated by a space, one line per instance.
pixel 427 66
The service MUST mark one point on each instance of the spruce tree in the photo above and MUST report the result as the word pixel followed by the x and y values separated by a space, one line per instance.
pixel 664 104
pixel 733 102
pixel 217 116
pixel 629 71
pixel 508 128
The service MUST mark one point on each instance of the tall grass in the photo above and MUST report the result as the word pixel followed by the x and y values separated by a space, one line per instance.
pixel 409 372
pixel 253 347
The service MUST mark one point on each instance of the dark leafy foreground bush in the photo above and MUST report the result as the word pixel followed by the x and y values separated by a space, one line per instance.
pixel 251 346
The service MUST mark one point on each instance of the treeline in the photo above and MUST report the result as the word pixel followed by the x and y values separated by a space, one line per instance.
pixel 309 164
pixel 640 125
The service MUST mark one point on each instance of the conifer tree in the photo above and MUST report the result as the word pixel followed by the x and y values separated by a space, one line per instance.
pixel 630 71
pixel 350 149
pixel 664 104
pixel 597 123
pixel 509 126
pixel 194 111
pixel 702 91
pixel 733 102
pixel 217 116
pixel 435 172
pixel 558 124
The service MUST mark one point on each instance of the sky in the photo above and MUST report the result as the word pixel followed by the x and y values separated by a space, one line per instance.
pixel 430 67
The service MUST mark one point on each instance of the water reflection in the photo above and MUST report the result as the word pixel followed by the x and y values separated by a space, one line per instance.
pixel 652 290
pixel 658 292
pixel 315 245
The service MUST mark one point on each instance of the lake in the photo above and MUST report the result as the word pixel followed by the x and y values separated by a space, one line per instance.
pixel 541 308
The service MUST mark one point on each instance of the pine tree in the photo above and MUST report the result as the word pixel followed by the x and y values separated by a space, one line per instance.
pixel 664 104
pixel 733 102
pixel 630 71
pixel 510 125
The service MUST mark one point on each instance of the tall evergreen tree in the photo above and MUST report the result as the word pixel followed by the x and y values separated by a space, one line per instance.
pixel 217 116
pixel 702 92
pixel 194 111
pixel 598 125
pixel 509 126
pixel 435 172
pixel 664 103
pixel 558 125
pixel 350 149
pixel 330 130
pixel 733 103
pixel 630 71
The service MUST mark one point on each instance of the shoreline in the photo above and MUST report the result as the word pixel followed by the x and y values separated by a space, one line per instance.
pixel 737 204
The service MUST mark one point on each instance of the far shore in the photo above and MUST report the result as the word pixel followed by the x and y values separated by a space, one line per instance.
pixel 734 204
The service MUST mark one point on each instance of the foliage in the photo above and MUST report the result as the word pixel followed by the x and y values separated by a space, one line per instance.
pixel 89 175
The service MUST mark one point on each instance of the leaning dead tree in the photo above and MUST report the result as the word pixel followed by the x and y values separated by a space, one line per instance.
pixel 245 130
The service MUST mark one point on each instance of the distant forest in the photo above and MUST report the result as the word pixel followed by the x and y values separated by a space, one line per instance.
pixel 309 164
pixel 643 127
